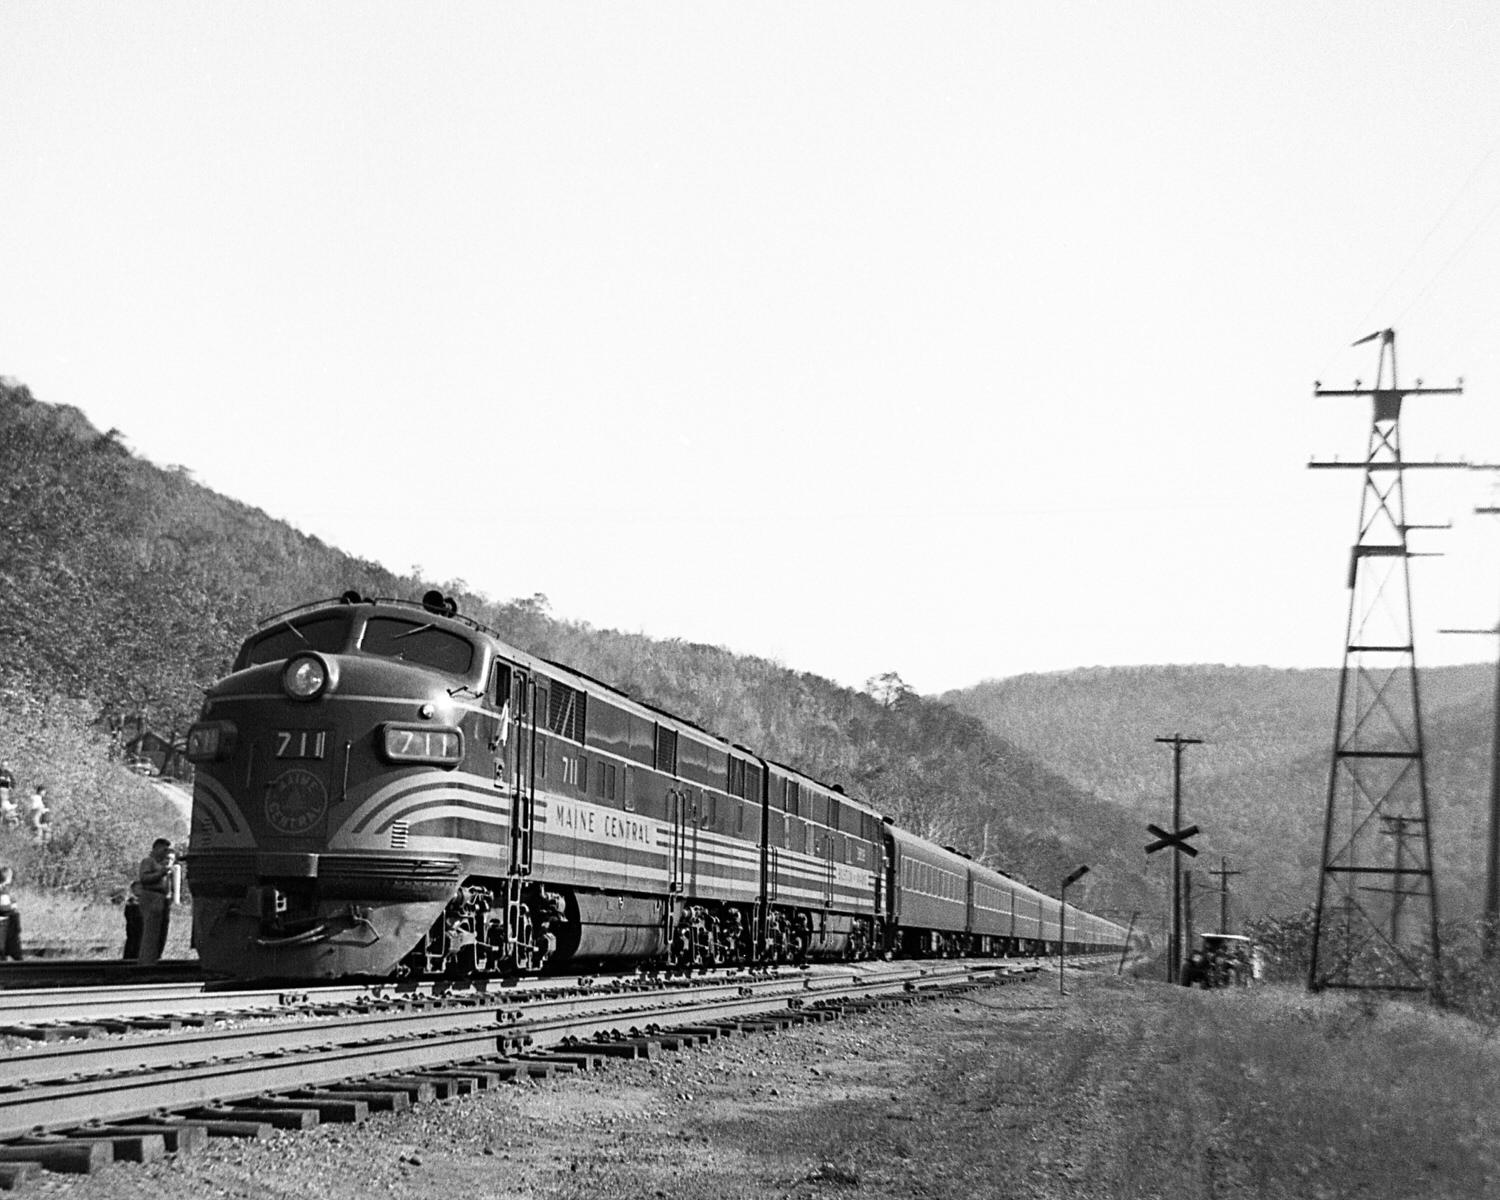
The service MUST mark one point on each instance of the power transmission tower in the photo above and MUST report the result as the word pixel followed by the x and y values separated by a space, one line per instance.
pixel 1378 777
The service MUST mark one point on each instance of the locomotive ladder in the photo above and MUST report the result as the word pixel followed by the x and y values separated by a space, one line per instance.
pixel 518 932
pixel 828 875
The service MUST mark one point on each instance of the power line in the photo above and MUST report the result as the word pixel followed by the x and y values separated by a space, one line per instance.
pixel 1364 321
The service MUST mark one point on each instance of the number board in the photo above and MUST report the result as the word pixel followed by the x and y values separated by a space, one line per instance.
pixel 301 743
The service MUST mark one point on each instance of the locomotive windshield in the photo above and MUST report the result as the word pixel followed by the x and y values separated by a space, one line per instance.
pixel 326 632
pixel 418 642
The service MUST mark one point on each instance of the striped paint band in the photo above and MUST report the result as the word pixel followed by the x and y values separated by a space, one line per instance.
pixel 217 807
pixel 398 791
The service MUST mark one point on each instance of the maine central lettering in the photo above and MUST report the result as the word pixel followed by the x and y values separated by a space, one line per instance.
pixel 601 825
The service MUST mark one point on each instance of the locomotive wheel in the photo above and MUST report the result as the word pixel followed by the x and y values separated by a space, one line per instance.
pixel 775 939
pixel 714 949
pixel 470 960
pixel 524 957
pixel 683 950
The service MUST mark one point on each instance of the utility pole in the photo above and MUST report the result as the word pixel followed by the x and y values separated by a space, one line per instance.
pixel 1187 913
pixel 1396 827
pixel 1062 924
pixel 1224 874
pixel 1489 931
pixel 1174 947
pixel 1125 947
pixel 1379 768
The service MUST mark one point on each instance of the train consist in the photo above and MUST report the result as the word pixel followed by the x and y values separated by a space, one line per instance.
pixel 386 788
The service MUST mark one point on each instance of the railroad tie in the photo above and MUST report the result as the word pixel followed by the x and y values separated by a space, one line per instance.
pixel 14 1175
pixel 255 1131
pixel 52 1033
pixel 576 1058
pixel 426 1087
pixel 278 1118
pixel 485 1078
pixel 374 1100
pixel 136 1024
pixel 629 1048
pixel 341 1110
pixel 513 1069
pixel 678 1039
pixel 416 1091
pixel 708 1033
pixel 181 1138
pixel 458 1083
pixel 68 1158
pixel 127 1147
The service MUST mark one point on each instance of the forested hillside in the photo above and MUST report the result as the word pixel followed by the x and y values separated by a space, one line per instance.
pixel 125 588
pixel 1258 785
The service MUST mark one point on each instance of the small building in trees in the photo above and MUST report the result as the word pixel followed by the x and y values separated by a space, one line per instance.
pixel 151 753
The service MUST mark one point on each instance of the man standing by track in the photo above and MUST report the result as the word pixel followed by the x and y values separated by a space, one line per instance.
pixel 10 918
pixel 154 877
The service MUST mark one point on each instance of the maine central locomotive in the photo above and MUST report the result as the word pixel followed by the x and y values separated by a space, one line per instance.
pixel 386 788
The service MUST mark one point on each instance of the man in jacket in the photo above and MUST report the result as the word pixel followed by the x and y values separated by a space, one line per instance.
pixel 154 878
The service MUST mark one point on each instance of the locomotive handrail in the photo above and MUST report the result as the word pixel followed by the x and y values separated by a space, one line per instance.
pixel 395 600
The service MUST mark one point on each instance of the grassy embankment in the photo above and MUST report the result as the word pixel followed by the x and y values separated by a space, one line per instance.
pixel 104 819
pixel 1124 1088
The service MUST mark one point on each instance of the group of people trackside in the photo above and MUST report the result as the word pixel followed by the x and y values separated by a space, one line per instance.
pixel 148 908
pixel 38 812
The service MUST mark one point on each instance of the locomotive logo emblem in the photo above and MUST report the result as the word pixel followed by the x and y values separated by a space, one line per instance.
pixel 295 802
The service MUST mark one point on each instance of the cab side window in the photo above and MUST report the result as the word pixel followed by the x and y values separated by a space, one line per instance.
pixel 500 685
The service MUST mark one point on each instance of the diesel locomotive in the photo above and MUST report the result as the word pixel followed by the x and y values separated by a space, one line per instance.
pixel 385 788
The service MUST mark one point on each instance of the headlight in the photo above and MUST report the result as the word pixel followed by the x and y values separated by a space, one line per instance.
pixel 305 677
pixel 438 744
pixel 210 741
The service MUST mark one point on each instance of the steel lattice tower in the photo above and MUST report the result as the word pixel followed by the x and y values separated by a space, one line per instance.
pixel 1375 925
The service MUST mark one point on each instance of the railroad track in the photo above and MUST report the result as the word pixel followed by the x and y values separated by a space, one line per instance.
pixel 84 972
pixel 88 998
pixel 77 1106
pixel 64 1013
pixel 55 1013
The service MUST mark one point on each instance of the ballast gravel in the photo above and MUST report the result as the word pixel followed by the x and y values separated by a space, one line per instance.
pixel 818 1109
pixel 1001 1091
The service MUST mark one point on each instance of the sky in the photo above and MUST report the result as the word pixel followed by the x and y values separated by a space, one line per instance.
pixel 954 339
